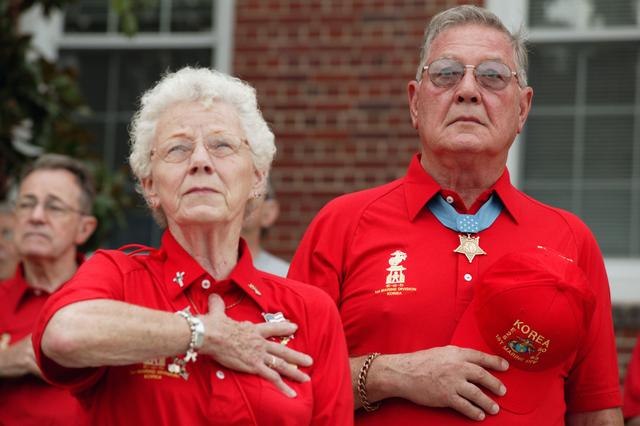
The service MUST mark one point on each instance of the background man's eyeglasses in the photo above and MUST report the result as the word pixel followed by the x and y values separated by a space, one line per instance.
pixel 447 73
pixel 52 208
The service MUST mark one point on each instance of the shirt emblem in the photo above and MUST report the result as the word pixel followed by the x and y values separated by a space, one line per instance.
pixel 178 279
pixel 395 278
pixel 396 271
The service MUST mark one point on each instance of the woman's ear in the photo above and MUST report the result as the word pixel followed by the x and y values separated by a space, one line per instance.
pixel 150 193
pixel 259 182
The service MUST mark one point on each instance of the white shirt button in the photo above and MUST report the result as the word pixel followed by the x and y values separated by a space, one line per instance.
pixel 220 374
pixel 205 284
pixel 37 292
pixel 468 277
pixel 449 199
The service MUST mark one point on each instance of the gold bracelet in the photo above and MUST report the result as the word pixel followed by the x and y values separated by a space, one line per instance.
pixel 362 383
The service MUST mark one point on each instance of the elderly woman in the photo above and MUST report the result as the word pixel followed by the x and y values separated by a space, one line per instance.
pixel 192 333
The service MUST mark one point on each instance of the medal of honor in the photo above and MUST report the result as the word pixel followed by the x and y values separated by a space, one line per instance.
pixel 470 247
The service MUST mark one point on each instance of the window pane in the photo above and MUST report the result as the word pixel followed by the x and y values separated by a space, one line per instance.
pixel 583 13
pixel 549 148
pixel 92 67
pixel 191 15
pixel 86 16
pixel 148 16
pixel 608 152
pixel 612 70
pixel 552 74
pixel 138 70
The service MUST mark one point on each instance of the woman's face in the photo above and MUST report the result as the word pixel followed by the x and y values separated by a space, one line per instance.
pixel 201 165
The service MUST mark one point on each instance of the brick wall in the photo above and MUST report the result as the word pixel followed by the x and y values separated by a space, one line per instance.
pixel 331 77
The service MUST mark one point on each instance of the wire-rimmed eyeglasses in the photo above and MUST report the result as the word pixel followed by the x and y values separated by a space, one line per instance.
pixel 52 207
pixel 179 150
pixel 447 73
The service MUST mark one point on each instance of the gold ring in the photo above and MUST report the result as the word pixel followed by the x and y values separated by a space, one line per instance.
pixel 273 362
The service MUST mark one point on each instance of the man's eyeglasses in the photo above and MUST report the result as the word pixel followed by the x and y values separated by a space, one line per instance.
pixel 447 73
pixel 52 207
pixel 177 151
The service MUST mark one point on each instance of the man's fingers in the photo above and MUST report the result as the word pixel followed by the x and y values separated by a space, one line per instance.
pixel 464 407
pixel 478 399
pixel 484 379
pixel 485 360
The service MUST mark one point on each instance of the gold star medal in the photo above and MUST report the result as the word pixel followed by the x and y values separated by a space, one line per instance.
pixel 470 247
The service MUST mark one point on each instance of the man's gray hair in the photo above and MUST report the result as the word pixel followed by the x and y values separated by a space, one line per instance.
pixel 78 169
pixel 198 85
pixel 468 14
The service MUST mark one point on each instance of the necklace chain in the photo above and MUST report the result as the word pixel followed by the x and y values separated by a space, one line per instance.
pixel 226 308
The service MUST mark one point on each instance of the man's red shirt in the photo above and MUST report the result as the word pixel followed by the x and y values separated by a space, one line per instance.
pixel 355 243
pixel 29 400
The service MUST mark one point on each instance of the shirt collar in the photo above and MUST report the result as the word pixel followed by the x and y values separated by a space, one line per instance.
pixel 420 187
pixel 180 267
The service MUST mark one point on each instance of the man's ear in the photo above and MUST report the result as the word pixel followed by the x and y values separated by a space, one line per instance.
pixel 412 93
pixel 526 96
pixel 86 227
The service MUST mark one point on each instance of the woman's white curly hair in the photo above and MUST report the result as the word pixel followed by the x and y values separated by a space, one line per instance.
pixel 198 85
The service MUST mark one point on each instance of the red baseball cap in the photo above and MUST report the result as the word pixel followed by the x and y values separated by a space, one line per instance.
pixel 531 308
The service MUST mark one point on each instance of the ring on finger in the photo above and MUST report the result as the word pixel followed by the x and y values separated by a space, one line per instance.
pixel 272 363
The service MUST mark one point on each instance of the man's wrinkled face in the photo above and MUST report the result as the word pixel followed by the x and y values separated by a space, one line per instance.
pixel 469 117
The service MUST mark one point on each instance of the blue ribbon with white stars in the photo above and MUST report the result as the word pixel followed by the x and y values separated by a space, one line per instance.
pixel 465 223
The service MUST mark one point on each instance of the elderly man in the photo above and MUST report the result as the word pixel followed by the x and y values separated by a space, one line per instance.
pixel 403 263
pixel 53 217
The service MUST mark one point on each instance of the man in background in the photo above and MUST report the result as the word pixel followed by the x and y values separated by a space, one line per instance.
pixel 255 228
pixel 52 218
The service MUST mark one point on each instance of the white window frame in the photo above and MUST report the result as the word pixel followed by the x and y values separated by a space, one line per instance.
pixel 624 273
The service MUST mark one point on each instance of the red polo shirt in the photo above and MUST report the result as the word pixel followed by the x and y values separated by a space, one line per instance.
pixel 169 279
pixel 28 400
pixel 390 266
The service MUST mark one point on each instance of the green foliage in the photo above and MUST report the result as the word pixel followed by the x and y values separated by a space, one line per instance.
pixel 41 107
